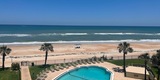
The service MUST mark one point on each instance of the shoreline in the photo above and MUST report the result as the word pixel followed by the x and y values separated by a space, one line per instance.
pixel 74 42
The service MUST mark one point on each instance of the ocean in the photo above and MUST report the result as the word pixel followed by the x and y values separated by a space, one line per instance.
pixel 38 34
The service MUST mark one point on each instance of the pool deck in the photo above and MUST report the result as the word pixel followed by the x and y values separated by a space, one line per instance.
pixel 25 74
pixel 109 66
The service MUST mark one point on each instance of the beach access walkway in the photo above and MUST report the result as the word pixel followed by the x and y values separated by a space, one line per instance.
pixel 25 74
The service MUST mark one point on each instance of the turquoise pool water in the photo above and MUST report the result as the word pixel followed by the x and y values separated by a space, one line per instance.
pixel 86 73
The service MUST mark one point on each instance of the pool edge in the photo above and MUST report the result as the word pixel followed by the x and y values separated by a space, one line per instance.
pixel 111 77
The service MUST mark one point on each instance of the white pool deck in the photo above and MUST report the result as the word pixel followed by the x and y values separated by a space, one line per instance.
pixel 133 69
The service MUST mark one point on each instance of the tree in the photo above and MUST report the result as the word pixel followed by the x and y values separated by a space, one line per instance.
pixel 146 58
pixel 46 47
pixel 158 63
pixel 158 72
pixel 154 60
pixel 15 66
pixel 4 51
pixel 125 48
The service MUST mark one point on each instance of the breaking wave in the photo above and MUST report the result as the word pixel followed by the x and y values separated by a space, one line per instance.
pixel 43 34
pixel 75 34
pixel 127 33
pixel 99 41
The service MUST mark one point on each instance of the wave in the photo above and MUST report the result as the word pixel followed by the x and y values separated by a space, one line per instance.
pixel 43 34
pixel 75 42
pixel 14 35
pixel 62 34
pixel 75 34
pixel 127 33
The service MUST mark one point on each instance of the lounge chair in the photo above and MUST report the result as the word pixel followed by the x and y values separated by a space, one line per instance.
pixel 76 62
pixel 51 69
pixel 101 60
pixel 69 64
pixel 97 60
pixel 83 61
pixel 66 65
pixel 92 60
pixel 63 65
pixel 56 68
pixel 73 64
pixel 38 77
pixel 116 69
pixel 42 76
pixel 79 61
pixel 46 70
pixel 88 61
pixel 60 66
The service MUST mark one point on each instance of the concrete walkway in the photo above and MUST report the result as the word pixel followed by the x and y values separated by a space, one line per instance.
pixel 25 74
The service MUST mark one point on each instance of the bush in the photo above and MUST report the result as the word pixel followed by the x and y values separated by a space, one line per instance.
pixel 15 66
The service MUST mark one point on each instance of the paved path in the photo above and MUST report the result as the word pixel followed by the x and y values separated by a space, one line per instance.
pixel 25 74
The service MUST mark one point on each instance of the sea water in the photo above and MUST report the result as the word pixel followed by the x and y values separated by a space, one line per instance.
pixel 37 34
pixel 87 73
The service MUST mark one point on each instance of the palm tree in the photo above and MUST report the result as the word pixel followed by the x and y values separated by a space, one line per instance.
pixel 158 73
pixel 158 63
pixel 125 48
pixel 4 51
pixel 46 47
pixel 145 57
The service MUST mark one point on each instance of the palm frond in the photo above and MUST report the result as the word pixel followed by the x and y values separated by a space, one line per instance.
pixel 46 47
pixel 4 50
pixel 125 47
pixel 130 49
pixel 144 56
pixel 120 47
pixel 8 50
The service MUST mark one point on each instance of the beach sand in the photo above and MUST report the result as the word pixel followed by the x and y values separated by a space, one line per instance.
pixel 68 51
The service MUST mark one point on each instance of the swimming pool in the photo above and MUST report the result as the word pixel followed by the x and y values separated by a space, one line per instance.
pixel 87 73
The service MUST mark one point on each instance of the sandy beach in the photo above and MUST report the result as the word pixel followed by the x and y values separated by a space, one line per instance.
pixel 68 51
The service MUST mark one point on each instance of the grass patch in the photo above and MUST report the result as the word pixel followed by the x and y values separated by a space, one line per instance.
pixel 7 74
pixel 34 70
pixel 128 61
pixel 155 71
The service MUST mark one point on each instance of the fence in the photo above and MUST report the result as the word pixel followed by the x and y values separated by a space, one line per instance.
pixel 121 57
pixel 65 60
pixel 40 62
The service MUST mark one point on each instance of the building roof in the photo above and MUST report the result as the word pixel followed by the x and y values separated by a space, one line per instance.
pixel 138 70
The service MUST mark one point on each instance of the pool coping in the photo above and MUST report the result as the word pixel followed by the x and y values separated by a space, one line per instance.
pixel 111 77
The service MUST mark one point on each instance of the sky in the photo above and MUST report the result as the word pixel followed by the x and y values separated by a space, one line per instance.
pixel 81 12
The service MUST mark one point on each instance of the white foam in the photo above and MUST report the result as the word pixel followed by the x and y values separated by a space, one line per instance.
pixel 62 34
pixel 100 41
pixel 127 33
pixel 14 35
pixel 73 34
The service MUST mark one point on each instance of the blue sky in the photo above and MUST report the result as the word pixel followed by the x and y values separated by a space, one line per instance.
pixel 81 12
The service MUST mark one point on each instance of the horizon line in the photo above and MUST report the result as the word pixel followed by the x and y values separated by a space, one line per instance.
pixel 80 25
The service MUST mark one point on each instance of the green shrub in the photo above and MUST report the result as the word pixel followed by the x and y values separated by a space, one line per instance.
pixel 15 66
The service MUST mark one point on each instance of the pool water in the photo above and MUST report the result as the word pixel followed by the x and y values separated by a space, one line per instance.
pixel 86 73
